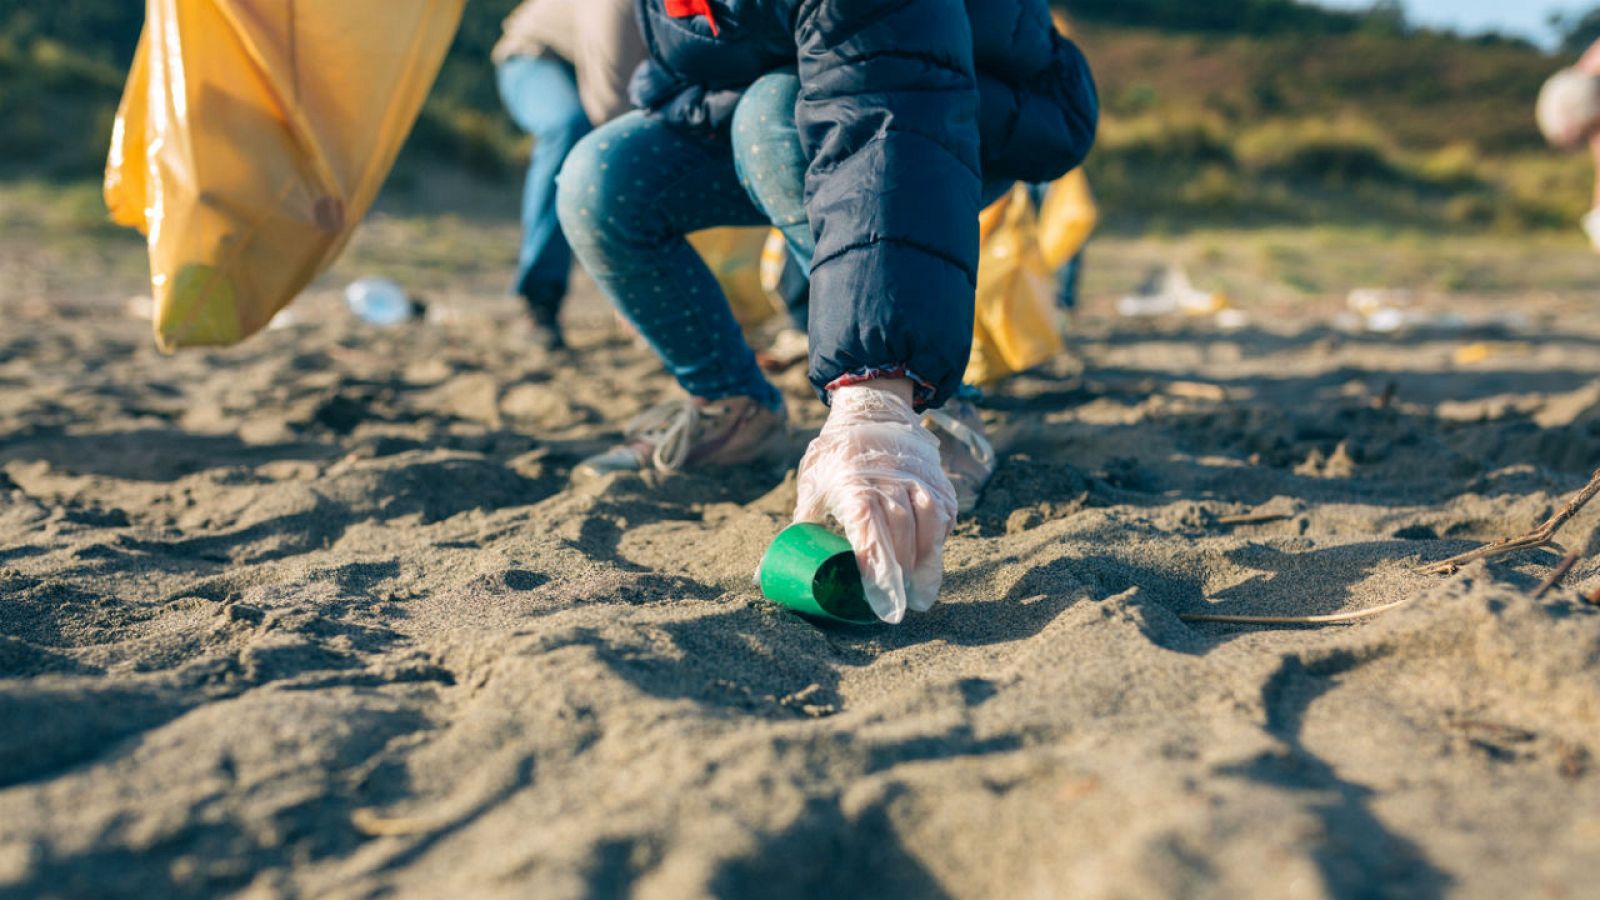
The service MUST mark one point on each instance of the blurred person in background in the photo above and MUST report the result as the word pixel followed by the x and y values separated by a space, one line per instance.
pixel 1568 113
pixel 1067 214
pixel 562 67
pixel 910 115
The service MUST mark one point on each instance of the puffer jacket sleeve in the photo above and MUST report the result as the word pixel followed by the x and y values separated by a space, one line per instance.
pixel 888 116
pixel 1038 103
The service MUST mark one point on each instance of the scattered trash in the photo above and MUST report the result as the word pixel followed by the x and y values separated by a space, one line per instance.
pixel 1385 311
pixel 381 302
pixel 1231 319
pixel 1472 354
pixel 1169 291
pixel 812 571
pixel 1370 301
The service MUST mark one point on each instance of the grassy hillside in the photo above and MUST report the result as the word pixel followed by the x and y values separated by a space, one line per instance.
pixel 1421 128
pixel 1232 111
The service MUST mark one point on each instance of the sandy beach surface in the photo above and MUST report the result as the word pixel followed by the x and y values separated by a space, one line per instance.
pixel 320 615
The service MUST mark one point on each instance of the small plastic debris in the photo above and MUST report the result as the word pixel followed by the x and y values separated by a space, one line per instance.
pixel 1168 291
pixel 1386 311
pixel 1232 319
pixel 380 301
pixel 284 318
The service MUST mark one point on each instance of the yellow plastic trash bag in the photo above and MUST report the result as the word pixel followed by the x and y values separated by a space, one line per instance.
pixel 1014 328
pixel 775 258
pixel 251 139
pixel 734 256
pixel 1067 216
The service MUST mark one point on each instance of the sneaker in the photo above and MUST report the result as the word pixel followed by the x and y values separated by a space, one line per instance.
pixel 965 453
pixel 691 432
pixel 789 348
pixel 545 331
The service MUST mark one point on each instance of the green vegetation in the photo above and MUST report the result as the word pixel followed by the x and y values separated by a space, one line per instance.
pixel 1229 112
pixel 1422 129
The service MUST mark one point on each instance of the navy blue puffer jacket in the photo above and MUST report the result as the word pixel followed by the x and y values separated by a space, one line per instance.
pixel 906 107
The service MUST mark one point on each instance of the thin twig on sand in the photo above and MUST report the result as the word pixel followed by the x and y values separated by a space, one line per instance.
pixel 1386 399
pixel 1556 574
pixel 373 824
pixel 1333 619
pixel 1539 537
pixel 1255 518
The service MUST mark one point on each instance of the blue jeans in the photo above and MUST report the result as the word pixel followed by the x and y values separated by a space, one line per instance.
pixel 541 94
pixel 629 195
pixel 772 168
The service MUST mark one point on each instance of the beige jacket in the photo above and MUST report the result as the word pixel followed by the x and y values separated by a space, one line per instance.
pixel 598 37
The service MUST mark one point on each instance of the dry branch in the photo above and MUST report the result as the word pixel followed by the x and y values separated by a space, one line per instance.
pixel 1333 619
pixel 1556 574
pixel 1255 518
pixel 1539 537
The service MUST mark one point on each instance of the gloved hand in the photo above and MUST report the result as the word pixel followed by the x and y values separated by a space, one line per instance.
pixel 875 469
pixel 1591 226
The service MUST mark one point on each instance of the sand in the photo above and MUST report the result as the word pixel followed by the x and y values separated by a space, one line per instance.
pixel 320 615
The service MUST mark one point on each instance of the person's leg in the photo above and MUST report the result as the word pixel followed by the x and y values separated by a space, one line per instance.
pixel 541 95
pixel 1067 282
pixel 769 159
pixel 629 194
pixel 772 170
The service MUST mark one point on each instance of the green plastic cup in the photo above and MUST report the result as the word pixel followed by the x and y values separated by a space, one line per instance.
pixel 812 571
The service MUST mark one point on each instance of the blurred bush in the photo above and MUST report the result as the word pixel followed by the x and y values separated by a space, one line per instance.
pixel 1223 112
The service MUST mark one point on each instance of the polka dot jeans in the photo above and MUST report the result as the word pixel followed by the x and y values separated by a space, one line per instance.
pixel 629 194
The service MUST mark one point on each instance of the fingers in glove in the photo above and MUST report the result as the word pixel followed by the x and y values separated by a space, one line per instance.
pixel 900 518
pixel 867 528
pixel 934 521
pixel 811 502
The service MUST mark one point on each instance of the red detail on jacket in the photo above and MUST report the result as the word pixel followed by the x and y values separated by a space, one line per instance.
pixel 688 9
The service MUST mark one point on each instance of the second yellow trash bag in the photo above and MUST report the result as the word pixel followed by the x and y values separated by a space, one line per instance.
pixel 252 137
pixel 1014 325
pixel 734 257
pixel 1067 216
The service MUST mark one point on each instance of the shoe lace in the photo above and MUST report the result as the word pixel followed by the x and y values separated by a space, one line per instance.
pixel 976 444
pixel 669 428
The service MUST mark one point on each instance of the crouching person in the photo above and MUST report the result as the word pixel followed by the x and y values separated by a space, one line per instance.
pixel 909 114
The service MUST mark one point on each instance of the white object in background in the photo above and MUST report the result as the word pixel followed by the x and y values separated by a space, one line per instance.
pixel 1381 310
pixel 1591 227
pixel 1167 292
pixel 379 301
pixel 1367 301
pixel 1569 108
pixel 1387 310
pixel 1384 321
pixel 1232 319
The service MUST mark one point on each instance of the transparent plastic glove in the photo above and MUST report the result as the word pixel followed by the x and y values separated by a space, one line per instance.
pixel 875 469
pixel 1591 227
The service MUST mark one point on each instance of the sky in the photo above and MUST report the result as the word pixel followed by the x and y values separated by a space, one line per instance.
pixel 1528 18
